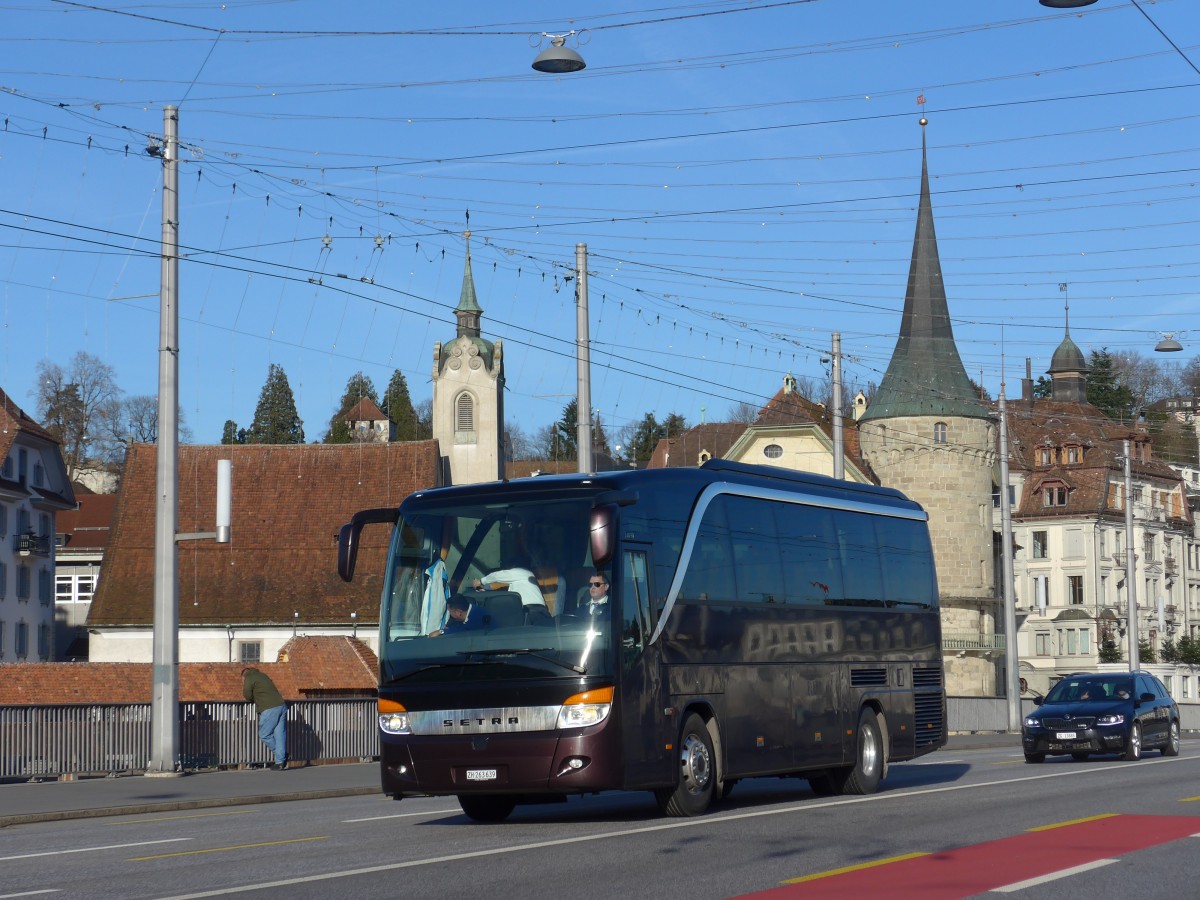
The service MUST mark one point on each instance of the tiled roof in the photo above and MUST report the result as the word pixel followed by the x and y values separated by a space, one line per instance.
pixel 14 419
pixel 88 526
pixel 365 410
pixel 288 503
pixel 1035 424
pixel 317 666
pixel 685 449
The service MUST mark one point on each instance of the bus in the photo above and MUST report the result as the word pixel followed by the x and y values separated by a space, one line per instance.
pixel 756 622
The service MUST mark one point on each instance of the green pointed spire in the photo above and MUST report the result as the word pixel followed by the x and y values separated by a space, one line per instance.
pixel 466 299
pixel 925 376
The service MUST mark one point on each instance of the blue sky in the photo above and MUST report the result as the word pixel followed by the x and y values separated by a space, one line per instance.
pixel 745 176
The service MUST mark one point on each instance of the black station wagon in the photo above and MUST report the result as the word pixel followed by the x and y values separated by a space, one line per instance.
pixel 1125 713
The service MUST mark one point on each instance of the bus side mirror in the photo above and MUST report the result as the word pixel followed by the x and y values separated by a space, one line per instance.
pixel 349 534
pixel 602 533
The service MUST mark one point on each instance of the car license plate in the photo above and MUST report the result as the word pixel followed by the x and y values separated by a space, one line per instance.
pixel 1066 735
pixel 481 774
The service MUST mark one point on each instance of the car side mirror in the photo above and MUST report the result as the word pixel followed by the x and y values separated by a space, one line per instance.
pixel 1146 698
pixel 1038 699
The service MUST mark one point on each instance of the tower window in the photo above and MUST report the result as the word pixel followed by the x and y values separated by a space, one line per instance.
pixel 939 432
pixel 464 413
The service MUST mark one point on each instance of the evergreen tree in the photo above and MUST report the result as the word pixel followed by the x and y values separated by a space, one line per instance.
pixel 1043 388
pixel 564 441
pixel 358 387
pixel 642 438
pixel 1146 652
pixel 399 408
pixel 275 418
pixel 1104 389
pixel 1109 651
pixel 231 434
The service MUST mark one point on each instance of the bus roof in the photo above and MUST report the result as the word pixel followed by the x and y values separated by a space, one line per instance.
pixel 681 478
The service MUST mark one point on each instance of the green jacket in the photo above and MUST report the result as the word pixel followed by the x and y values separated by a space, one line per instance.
pixel 258 687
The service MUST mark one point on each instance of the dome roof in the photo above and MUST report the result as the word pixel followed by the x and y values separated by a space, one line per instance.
pixel 1067 358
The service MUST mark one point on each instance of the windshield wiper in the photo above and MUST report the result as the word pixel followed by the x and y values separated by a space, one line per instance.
pixel 535 652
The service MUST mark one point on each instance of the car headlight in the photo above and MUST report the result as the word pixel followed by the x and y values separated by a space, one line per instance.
pixel 393 718
pixel 588 708
pixel 1031 722
pixel 1110 719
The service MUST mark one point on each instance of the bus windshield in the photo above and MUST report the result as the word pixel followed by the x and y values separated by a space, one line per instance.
pixel 498 585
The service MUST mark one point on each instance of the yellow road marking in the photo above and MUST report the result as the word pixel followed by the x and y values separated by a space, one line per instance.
pixel 1074 822
pixel 240 812
pixel 234 847
pixel 1189 799
pixel 857 868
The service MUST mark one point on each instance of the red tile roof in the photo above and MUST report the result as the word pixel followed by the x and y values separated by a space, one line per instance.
pixel 288 503
pixel 88 527
pixel 316 666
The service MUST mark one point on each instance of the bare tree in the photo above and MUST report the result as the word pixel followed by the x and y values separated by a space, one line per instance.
pixel 73 404
pixel 133 420
pixel 744 413
pixel 1144 377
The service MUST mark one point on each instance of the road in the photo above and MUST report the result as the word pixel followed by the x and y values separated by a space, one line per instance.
pixel 949 825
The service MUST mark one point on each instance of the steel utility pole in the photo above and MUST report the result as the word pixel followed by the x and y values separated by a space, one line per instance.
pixel 1013 681
pixel 839 447
pixel 1130 566
pixel 583 403
pixel 164 703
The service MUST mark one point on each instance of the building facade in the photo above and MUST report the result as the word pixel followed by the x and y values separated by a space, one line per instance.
pixel 33 489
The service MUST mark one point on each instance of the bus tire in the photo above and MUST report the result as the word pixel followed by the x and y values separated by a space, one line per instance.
pixel 486 808
pixel 869 755
pixel 697 778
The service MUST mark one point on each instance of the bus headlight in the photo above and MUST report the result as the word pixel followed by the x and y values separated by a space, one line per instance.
pixel 588 708
pixel 393 718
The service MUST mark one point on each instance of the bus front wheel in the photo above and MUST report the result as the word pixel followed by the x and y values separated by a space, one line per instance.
pixel 693 793
pixel 485 808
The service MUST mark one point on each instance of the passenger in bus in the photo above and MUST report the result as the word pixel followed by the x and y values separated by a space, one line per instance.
pixel 516 577
pixel 461 615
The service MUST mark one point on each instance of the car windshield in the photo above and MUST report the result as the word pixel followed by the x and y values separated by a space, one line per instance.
pixel 1086 690
pixel 476 587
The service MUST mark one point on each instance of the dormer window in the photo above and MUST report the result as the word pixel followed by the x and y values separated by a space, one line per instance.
pixel 1074 455
pixel 1045 456
pixel 705 456
pixel 1055 495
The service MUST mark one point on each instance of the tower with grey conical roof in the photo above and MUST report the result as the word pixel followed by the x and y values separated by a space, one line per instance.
pixel 468 394
pixel 927 433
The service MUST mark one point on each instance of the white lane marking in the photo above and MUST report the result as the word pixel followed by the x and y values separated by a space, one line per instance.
pixel 1052 876
pixel 30 893
pixel 91 850
pixel 701 821
pixel 432 812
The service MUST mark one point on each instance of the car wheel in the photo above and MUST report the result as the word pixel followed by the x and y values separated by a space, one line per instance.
pixel 1035 757
pixel 1080 756
pixel 1171 748
pixel 1133 746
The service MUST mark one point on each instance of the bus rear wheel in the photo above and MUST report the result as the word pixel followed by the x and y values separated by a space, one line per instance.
pixel 486 808
pixel 694 791
pixel 869 756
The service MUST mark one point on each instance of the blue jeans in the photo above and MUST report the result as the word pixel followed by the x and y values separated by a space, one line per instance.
pixel 272 728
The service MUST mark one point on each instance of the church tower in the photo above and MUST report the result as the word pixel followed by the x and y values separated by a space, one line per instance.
pixel 468 395
pixel 1068 370
pixel 927 433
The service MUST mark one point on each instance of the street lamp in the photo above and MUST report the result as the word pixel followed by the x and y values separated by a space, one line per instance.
pixel 558 58
pixel 1168 344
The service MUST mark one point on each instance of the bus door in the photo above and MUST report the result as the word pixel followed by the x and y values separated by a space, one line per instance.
pixel 642 694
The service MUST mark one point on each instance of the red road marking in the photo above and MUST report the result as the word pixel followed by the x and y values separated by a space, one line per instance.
pixel 978 868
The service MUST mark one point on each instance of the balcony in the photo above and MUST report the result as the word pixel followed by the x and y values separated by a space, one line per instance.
pixel 964 640
pixel 1169 565
pixel 30 544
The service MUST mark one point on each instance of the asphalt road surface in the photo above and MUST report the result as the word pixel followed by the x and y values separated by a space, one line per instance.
pixel 954 824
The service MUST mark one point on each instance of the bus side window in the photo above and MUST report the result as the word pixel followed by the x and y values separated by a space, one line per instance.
pixel 635 603
pixel 710 573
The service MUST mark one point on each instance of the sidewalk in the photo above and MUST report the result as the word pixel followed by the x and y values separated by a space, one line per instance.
pixel 50 801
pixel 136 794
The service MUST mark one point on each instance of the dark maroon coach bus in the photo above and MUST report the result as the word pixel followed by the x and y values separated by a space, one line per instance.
pixel 669 630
